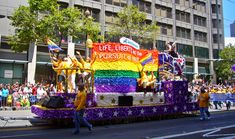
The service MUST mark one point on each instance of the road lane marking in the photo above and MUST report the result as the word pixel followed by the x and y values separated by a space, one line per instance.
pixel 24 128
pixel 217 130
pixel 22 135
pixel 194 132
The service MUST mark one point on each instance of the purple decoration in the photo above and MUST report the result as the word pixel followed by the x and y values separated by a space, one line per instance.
pixel 233 67
pixel 115 88
pixel 176 92
pixel 111 113
pixel 69 99
pixel 176 101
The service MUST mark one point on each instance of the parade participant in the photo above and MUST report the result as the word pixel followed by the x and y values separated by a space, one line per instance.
pixel 143 80
pixel 152 81
pixel 80 104
pixel 56 64
pixel 88 71
pixel 171 49
pixel 76 68
pixel 203 100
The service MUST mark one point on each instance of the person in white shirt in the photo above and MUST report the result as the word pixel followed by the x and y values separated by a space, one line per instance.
pixel 40 93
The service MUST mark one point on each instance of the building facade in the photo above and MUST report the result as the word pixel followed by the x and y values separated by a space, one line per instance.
pixel 232 29
pixel 196 26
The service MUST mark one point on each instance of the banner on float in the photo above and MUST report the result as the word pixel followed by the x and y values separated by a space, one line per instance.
pixel 130 42
pixel 122 52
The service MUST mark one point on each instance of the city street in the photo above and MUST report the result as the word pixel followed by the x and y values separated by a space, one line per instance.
pixel 222 124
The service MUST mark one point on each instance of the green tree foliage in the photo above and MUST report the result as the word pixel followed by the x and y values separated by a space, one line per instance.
pixel 42 19
pixel 223 67
pixel 132 23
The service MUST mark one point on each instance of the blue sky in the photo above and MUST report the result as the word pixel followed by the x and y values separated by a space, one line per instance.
pixel 229 15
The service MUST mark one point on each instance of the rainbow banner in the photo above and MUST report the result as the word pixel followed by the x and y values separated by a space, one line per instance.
pixel 148 58
pixel 117 66
pixel 53 47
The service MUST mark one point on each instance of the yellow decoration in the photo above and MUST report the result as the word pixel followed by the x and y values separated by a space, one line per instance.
pixel 89 43
pixel 122 65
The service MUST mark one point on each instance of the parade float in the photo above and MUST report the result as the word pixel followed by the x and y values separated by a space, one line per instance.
pixel 125 82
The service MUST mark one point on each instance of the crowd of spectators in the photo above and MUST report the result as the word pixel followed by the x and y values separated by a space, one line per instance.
pixel 220 94
pixel 24 95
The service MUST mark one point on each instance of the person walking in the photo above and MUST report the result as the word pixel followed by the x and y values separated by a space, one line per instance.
pixel 203 100
pixel 228 99
pixel 80 104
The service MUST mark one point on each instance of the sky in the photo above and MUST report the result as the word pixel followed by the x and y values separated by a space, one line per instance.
pixel 229 15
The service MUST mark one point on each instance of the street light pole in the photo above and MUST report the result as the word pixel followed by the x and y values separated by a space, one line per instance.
pixel 88 16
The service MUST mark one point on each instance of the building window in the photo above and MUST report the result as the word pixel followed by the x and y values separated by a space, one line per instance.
pixel 165 29
pixel 200 36
pixel 213 9
pixel 185 50
pixel 182 16
pixel 142 5
pixel 215 38
pixel 95 13
pixel 214 23
pixel 161 45
pixel 182 2
pixel 201 52
pixel 163 11
pixel 177 1
pixel 111 18
pixel 121 3
pixel 199 6
pixel 183 33
pixel 215 53
pixel 203 68
pixel 200 21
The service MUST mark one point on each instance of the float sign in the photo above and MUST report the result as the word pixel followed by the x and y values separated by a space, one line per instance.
pixel 130 42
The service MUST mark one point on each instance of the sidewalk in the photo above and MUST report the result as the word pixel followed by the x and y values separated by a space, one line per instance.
pixel 19 118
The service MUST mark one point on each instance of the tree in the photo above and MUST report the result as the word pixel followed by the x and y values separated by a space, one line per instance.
pixel 132 24
pixel 223 66
pixel 42 19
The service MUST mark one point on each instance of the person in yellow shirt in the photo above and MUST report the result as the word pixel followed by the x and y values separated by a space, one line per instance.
pixel 80 105
pixel 203 100
pixel 88 74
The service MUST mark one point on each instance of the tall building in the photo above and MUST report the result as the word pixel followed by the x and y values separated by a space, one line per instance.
pixel 232 29
pixel 196 25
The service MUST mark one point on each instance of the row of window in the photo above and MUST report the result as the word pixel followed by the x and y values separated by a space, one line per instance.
pixel 215 38
pixel 187 50
pixel 165 29
pixel 182 2
pixel 200 36
pixel 199 6
pixel 183 16
pixel 163 11
pixel 200 21
pixel 183 33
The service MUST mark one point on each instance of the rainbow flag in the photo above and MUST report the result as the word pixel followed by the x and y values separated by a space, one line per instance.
pixel 53 47
pixel 148 58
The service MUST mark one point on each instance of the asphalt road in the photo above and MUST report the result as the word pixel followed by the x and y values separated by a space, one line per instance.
pixel 221 125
